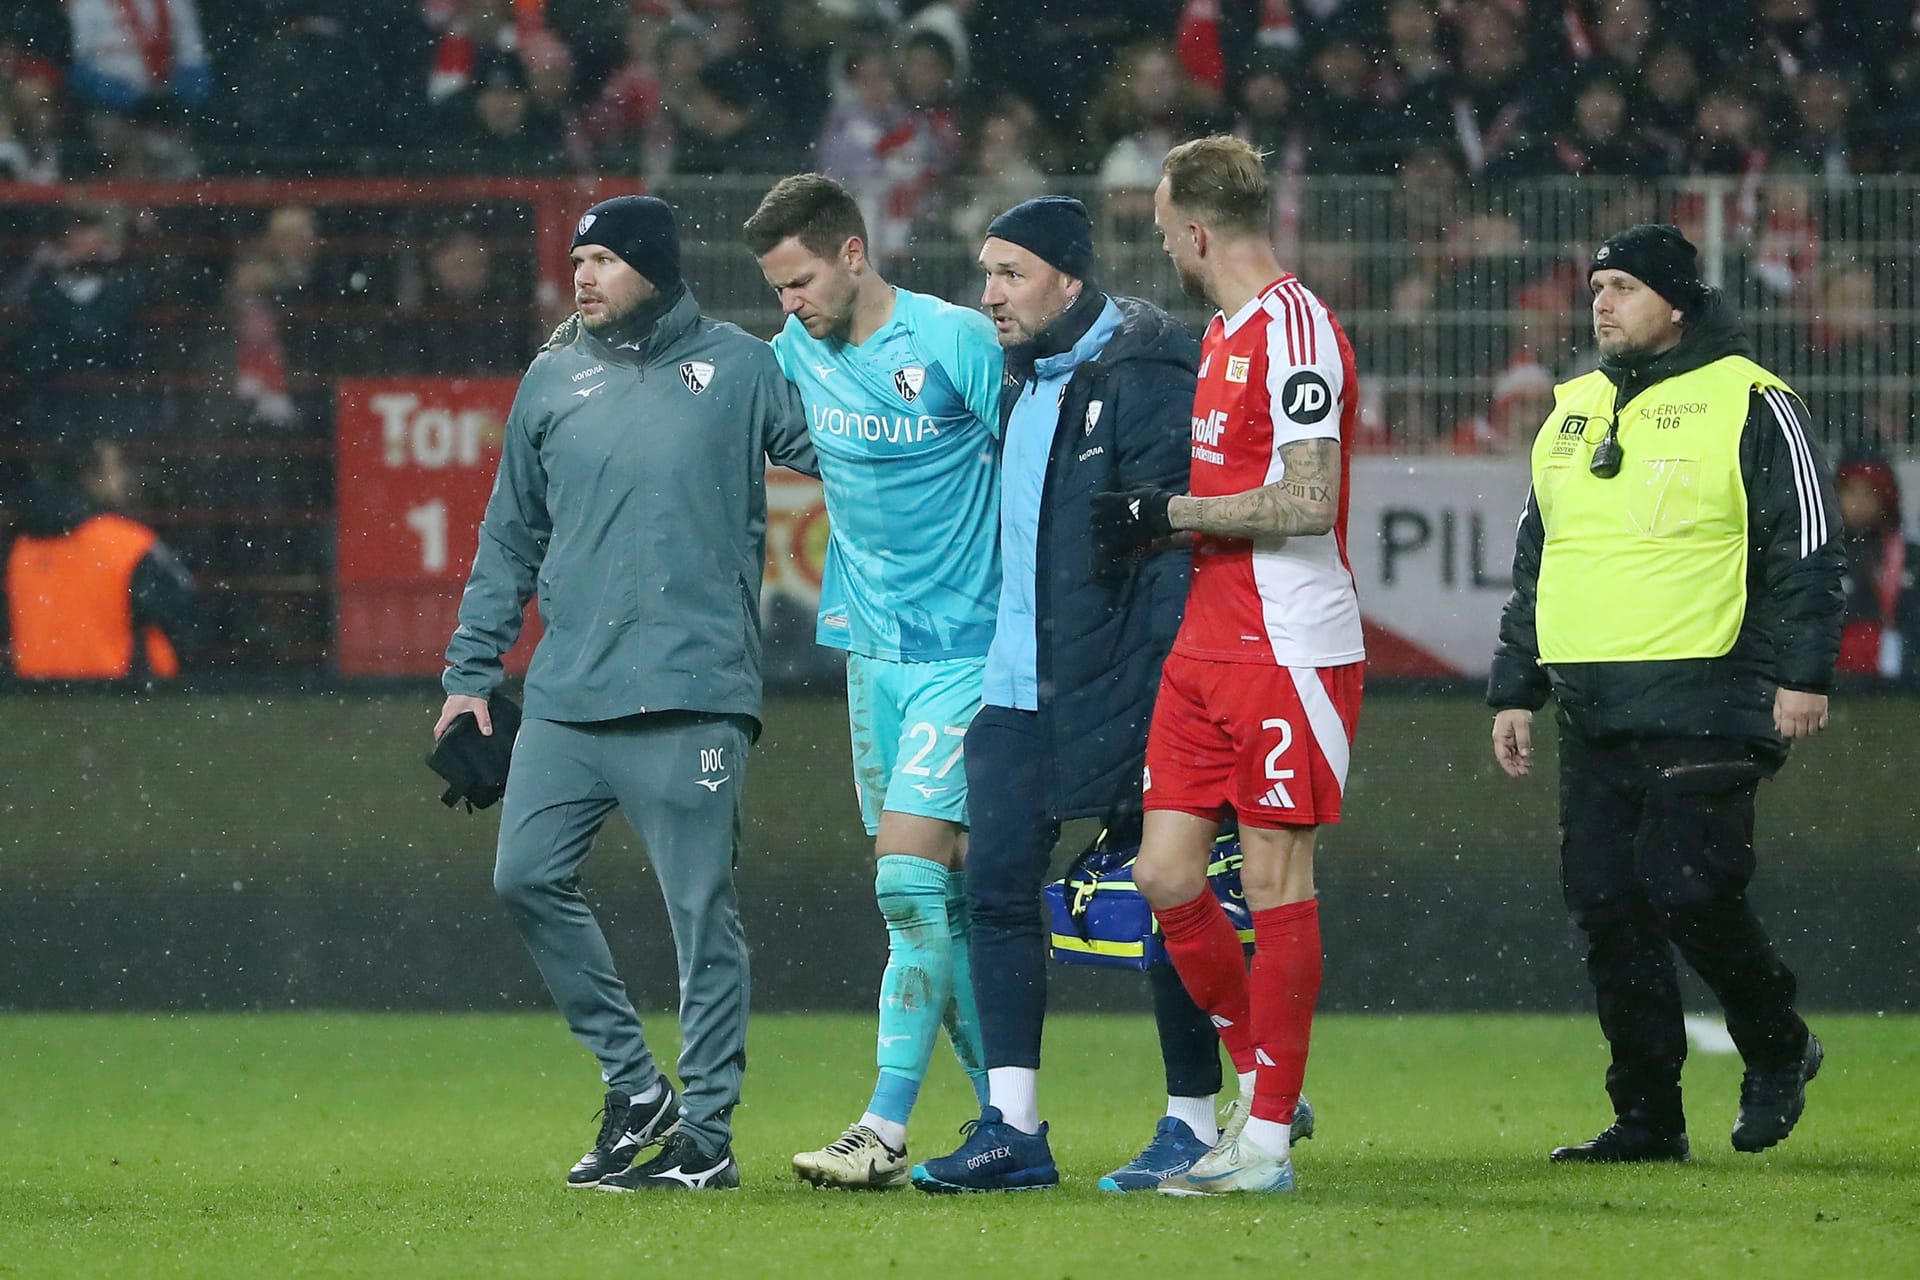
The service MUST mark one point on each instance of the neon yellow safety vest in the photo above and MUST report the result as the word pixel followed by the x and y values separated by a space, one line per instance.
pixel 1650 565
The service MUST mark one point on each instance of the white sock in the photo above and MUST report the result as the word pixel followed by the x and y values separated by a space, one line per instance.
pixel 651 1095
pixel 1016 1091
pixel 1197 1114
pixel 891 1132
pixel 1246 1085
pixel 1270 1136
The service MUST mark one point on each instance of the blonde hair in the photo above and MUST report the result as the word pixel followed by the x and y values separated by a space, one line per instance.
pixel 1224 180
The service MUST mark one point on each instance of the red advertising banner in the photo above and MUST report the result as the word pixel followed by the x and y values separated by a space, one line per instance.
pixel 415 463
pixel 415 459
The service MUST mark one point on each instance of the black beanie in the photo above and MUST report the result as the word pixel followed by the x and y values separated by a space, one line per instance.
pixel 1657 255
pixel 1055 228
pixel 641 230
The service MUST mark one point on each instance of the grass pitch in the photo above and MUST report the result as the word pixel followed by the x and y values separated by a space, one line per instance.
pixel 414 1146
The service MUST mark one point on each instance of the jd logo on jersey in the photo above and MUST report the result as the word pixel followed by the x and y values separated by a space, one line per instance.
pixel 1306 398
pixel 908 382
pixel 696 374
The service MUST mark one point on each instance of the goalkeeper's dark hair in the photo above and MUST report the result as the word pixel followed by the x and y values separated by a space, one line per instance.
pixel 809 207
pixel 1222 179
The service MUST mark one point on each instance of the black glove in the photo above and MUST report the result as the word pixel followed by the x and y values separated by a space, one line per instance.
pixel 473 763
pixel 1126 519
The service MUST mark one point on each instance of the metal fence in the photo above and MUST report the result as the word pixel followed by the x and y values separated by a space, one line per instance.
pixel 1464 305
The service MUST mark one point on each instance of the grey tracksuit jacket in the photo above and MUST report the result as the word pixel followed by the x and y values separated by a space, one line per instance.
pixel 631 493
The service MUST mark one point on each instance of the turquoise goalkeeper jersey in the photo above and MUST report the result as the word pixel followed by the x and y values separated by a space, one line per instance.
pixel 906 425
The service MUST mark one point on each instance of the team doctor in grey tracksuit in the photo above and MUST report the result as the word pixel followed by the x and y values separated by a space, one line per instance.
pixel 631 496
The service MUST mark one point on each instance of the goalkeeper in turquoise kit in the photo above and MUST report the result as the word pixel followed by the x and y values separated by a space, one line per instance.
pixel 902 399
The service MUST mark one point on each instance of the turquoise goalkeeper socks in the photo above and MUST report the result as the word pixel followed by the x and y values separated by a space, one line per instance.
pixel 962 1013
pixel 917 987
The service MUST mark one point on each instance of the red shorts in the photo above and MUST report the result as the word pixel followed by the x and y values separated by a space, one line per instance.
pixel 1271 743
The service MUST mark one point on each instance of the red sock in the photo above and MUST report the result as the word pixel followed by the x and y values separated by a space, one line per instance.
pixel 1284 983
pixel 1206 953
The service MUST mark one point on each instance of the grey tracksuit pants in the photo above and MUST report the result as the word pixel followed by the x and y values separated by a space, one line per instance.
pixel 678 779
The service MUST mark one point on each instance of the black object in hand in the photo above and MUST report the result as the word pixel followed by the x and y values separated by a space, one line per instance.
pixel 474 764
pixel 1124 519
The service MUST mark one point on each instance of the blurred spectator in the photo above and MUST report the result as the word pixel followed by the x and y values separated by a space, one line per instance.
pixel 32 142
pixel 260 384
pixel 1010 162
pixel 1413 75
pixel 1500 113
pixel 625 127
pixel 1729 132
pixel 1354 133
pixel 1817 136
pixel 1522 397
pixel 494 126
pixel 1881 633
pixel 81 306
pixel 140 66
pixel 327 86
pixel 1860 386
pixel 1786 248
pixel 1666 100
pixel 715 89
pixel 1148 104
pixel 1268 113
pixel 950 21
pixel 889 153
pixel 93 595
pixel 461 323
pixel 1599 141
pixel 474 32
pixel 1622 36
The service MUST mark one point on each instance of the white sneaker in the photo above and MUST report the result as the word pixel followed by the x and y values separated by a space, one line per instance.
pixel 1232 1166
pixel 1240 1110
pixel 858 1158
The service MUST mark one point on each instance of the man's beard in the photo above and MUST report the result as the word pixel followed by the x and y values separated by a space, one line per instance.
pixel 1191 283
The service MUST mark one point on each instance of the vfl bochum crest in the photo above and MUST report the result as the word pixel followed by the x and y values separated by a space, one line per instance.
pixel 908 382
pixel 1093 415
pixel 586 220
pixel 696 374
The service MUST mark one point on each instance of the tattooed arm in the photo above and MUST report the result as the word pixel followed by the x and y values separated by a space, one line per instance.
pixel 1304 501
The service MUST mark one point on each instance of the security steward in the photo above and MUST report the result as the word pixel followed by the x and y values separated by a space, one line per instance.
pixel 93 596
pixel 1677 592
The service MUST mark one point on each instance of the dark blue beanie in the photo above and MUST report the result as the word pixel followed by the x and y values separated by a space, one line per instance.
pixel 1055 228
pixel 641 230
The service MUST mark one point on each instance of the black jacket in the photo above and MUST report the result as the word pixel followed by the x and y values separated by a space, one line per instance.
pixel 1105 628
pixel 1791 633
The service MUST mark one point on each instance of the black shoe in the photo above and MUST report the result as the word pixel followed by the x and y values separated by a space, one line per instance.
pixel 626 1129
pixel 680 1166
pixel 1771 1101
pixel 1625 1143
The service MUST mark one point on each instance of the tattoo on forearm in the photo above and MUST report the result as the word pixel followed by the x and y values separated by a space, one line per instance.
pixel 1304 501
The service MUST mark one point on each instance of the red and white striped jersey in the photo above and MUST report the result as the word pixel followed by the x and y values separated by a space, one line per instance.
pixel 1280 370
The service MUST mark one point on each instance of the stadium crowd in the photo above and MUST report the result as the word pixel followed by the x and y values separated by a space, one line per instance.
pixel 1504 89
pixel 1460 289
